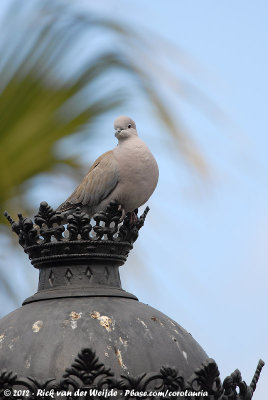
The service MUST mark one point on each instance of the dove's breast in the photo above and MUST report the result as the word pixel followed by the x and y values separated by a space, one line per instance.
pixel 138 173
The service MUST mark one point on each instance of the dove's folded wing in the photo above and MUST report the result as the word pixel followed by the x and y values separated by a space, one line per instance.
pixel 99 182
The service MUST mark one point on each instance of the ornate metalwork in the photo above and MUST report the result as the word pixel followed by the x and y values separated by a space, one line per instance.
pixel 50 236
pixel 27 234
pixel 88 378
pixel 50 222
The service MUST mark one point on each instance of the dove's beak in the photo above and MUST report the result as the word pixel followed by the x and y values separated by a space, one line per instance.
pixel 117 132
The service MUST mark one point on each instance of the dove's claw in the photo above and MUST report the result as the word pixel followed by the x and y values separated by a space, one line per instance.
pixel 120 208
pixel 133 218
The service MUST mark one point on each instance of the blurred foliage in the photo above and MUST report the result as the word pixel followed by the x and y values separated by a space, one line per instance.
pixel 61 69
pixel 43 101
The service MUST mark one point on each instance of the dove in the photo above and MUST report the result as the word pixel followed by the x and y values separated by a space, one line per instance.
pixel 127 174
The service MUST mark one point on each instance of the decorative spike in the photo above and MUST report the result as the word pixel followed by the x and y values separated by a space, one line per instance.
pixel 50 222
pixel 142 218
pixel 256 376
pixel 111 218
pixel 147 209
pixel 46 215
pixel 79 224
pixel 8 217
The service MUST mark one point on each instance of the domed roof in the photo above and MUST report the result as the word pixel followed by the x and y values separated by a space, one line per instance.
pixel 42 338
pixel 82 327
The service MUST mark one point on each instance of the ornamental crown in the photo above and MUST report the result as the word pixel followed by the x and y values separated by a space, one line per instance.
pixel 49 238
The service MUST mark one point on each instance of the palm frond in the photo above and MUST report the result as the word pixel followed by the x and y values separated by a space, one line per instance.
pixel 42 101
pixel 40 104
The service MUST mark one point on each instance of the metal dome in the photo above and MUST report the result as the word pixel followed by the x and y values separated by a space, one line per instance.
pixel 81 330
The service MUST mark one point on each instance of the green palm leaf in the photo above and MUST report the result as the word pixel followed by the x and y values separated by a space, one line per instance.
pixel 41 102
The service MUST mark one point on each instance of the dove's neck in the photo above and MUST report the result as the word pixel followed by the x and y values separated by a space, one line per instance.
pixel 130 142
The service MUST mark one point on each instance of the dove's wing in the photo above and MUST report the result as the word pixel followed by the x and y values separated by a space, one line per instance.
pixel 99 182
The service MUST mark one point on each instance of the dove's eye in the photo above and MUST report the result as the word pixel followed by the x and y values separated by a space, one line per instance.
pixel 129 126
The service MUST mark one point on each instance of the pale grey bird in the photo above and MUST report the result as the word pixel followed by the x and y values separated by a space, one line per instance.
pixel 127 174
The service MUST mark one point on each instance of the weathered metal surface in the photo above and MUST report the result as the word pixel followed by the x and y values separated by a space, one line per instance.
pixel 41 338
pixel 88 378
pixel 80 304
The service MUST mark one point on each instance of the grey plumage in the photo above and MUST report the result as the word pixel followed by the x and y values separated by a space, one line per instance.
pixel 127 174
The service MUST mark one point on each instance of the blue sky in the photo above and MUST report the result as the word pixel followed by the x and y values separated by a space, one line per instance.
pixel 208 271
pixel 210 268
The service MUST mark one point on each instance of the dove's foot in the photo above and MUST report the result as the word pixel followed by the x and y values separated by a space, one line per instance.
pixel 120 208
pixel 133 218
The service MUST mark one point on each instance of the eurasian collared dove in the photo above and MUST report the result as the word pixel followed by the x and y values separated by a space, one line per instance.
pixel 127 174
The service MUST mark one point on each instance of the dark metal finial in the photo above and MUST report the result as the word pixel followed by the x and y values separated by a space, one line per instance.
pixel 8 217
pixel 256 376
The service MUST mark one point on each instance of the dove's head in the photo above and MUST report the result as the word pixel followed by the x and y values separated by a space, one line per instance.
pixel 124 127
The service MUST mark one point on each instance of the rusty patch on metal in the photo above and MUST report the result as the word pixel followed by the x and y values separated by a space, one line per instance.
pixel 104 321
pixel 95 315
pixel 147 331
pixel 37 326
pixel 12 342
pixel 75 315
pixel 73 324
pixel 124 342
pixel 28 362
pixel 143 323
pixel 119 358
pixel 153 318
